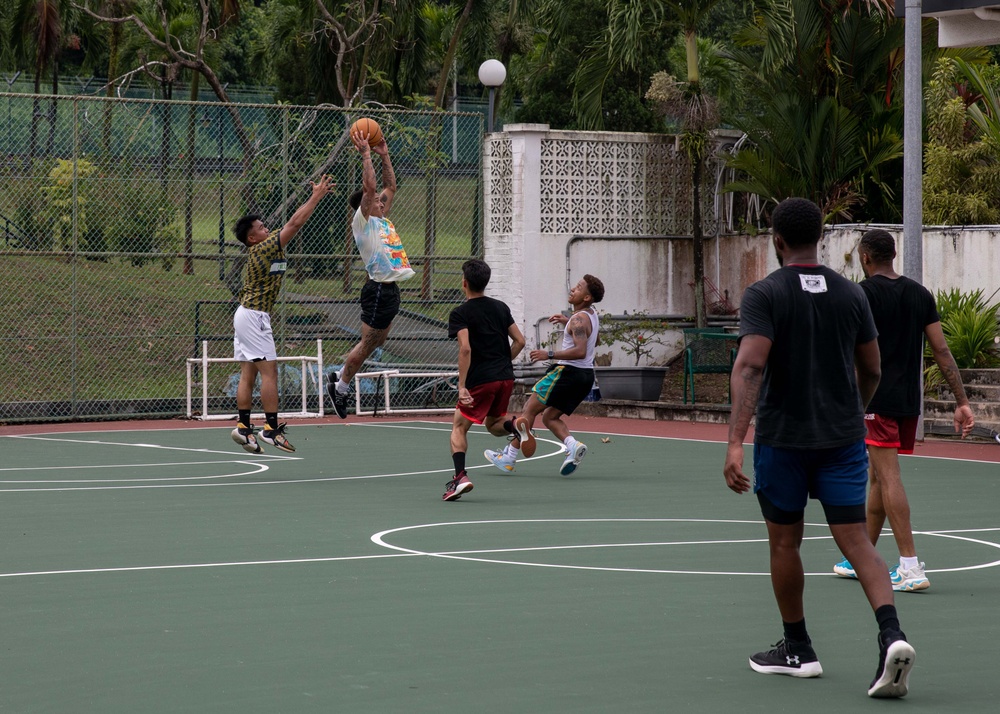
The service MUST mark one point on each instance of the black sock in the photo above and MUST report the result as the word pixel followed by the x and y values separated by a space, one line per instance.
pixel 886 618
pixel 272 420
pixel 459 458
pixel 796 631
pixel 245 417
pixel 508 426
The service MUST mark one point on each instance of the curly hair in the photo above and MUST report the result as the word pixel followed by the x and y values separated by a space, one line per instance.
pixel 798 221
pixel 595 287
pixel 879 245
pixel 243 227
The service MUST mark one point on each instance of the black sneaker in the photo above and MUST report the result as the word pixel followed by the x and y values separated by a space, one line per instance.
pixel 796 659
pixel 895 660
pixel 339 400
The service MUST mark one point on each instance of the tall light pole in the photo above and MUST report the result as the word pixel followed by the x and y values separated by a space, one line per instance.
pixel 492 73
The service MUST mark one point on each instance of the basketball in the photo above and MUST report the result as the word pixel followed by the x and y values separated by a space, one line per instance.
pixel 371 126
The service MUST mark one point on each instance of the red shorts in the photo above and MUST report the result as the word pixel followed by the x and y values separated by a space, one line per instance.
pixel 891 432
pixel 488 399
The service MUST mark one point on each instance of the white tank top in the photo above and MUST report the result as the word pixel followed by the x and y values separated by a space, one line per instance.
pixel 586 362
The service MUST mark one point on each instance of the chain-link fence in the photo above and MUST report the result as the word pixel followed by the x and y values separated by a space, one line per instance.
pixel 117 257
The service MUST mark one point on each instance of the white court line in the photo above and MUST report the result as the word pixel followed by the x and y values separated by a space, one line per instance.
pixel 149 446
pixel 149 483
pixel 193 566
pixel 378 539
pixel 254 469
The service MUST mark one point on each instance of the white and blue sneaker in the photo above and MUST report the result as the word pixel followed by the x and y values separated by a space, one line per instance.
pixel 909 580
pixel 500 460
pixel 844 569
pixel 573 459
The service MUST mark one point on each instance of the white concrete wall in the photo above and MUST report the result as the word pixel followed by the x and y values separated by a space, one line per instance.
pixel 615 206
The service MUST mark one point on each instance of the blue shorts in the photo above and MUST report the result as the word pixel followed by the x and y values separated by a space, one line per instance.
pixel 790 477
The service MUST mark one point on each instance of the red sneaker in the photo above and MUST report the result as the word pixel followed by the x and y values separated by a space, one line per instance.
pixel 455 489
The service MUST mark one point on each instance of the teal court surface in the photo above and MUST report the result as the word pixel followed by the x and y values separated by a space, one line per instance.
pixel 156 567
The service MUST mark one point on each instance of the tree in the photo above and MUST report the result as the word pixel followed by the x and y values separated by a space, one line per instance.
pixel 962 156
pixel 828 120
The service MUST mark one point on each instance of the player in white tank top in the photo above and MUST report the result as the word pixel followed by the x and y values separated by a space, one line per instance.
pixel 562 389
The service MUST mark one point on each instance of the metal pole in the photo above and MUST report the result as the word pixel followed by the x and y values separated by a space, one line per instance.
pixel 490 114
pixel 913 154
pixel 913 216
pixel 222 204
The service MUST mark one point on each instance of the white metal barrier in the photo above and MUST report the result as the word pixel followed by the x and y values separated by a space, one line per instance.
pixel 384 376
pixel 205 360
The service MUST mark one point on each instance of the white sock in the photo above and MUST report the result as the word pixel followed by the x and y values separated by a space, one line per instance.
pixel 570 442
pixel 908 563
pixel 343 387
pixel 511 451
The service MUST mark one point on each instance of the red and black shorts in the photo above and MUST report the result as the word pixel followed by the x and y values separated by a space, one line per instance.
pixel 891 432
pixel 489 399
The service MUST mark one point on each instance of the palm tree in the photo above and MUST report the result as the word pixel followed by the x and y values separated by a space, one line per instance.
pixel 828 124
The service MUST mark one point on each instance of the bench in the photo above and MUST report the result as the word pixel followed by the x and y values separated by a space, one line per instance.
pixel 707 350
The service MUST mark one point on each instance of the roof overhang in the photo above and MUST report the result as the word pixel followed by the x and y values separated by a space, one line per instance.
pixel 961 23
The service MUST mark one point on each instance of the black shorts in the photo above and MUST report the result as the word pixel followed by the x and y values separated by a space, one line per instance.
pixel 564 387
pixel 379 304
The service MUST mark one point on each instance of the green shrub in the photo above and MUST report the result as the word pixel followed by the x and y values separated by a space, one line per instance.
pixel 969 324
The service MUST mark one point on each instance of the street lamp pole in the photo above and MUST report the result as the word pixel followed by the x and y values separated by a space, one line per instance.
pixel 492 74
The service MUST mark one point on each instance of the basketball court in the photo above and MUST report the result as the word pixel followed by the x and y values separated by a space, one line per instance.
pixel 156 567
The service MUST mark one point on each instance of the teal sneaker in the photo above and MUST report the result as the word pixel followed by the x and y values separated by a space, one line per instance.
pixel 844 569
pixel 909 581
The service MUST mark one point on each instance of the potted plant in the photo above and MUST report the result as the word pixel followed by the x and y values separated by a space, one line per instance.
pixel 636 335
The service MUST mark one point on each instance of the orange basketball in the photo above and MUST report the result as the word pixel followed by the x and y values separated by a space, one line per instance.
pixel 371 126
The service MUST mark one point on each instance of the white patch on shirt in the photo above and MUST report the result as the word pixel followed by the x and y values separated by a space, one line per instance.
pixel 813 283
pixel 278 267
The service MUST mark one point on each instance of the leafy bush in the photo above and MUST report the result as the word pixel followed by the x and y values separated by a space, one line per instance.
pixel 969 324
pixel 637 333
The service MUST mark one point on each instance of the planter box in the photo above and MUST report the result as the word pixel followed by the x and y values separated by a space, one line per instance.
pixel 642 384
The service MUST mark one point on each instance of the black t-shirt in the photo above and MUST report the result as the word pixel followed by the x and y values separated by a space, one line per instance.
pixel 487 321
pixel 809 397
pixel 902 309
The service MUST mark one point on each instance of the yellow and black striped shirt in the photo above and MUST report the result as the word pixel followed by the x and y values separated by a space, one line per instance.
pixel 263 273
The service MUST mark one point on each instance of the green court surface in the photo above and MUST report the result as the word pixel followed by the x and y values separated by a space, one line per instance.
pixel 168 571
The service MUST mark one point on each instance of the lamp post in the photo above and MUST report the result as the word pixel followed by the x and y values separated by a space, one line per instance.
pixel 492 73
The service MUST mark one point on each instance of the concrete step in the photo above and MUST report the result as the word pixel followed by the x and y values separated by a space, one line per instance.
pixel 980 376
pixel 977 391
pixel 945 429
pixel 943 409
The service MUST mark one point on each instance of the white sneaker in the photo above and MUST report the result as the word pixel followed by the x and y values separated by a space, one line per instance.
pixel 574 458
pixel 500 460
pixel 909 580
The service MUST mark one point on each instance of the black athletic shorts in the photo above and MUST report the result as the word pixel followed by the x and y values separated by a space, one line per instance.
pixel 564 387
pixel 379 304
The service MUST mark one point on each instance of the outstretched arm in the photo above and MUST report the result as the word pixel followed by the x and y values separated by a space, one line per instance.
pixel 388 175
pixel 368 185
pixel 301 215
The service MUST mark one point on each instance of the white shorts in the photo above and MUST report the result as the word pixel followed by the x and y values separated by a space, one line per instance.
pixel 252 336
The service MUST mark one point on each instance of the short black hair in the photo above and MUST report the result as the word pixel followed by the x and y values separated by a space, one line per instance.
pixel 477 274
pixel 355 200
pixel 798 221
pixel 879 245
pixel 243 227
pixel 595 287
